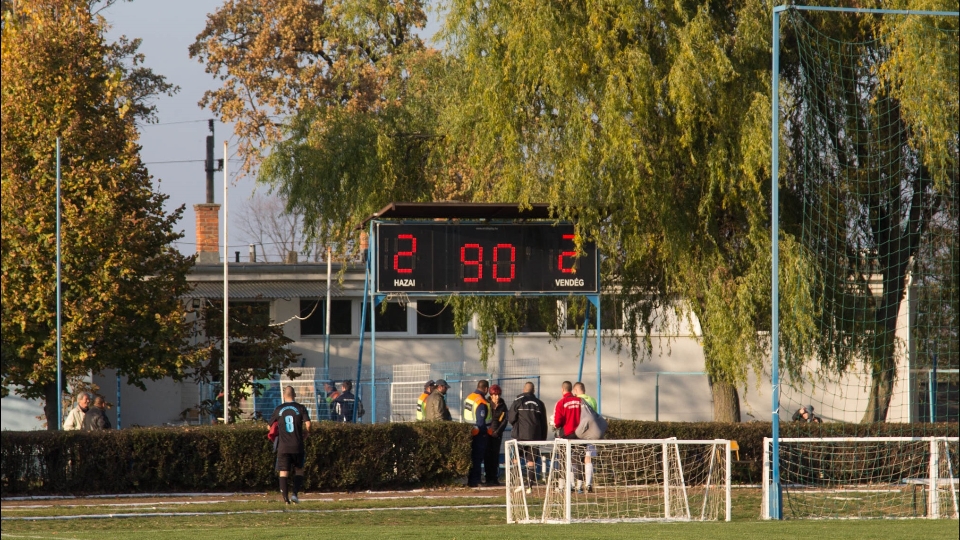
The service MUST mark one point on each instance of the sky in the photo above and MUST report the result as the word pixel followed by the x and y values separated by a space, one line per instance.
pixel 175 147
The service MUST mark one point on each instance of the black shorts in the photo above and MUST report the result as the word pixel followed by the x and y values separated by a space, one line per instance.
pixel 288 462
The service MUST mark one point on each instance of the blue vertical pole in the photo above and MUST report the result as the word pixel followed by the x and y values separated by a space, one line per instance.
pixel 775 499
pixel 363 321
pixel 599 395
pixel 375 301
pixel 583 340
pixel 59 308
pixel 118 401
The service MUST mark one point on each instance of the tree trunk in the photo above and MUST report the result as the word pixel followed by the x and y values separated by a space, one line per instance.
pixel 881 391
pixel 50 397
pixel 726 401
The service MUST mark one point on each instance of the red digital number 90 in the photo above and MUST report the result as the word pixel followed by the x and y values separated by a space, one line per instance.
pixel 504 263
pixel 407 267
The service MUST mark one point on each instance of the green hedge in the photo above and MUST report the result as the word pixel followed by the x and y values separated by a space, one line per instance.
pixel 231 458
pixel 339 456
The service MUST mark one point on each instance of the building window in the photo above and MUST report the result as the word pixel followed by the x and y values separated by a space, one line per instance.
pixel 249 313
pixel 394 319
pixel 611 314
pixel 434 318
pixel 535 315
pixel 315 322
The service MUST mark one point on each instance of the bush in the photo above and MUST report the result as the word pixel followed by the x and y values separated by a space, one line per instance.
pixel 232 458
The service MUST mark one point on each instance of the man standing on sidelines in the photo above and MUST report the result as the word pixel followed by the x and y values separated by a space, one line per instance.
pixel 428 389
pixel 294 423
pixel 74 419
pixel 580 391
pixel 566 415
pixel 476 411
pixel 528 416
pixel 345 403
pixel 436 403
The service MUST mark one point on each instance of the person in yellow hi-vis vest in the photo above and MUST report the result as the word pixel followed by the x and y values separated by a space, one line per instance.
pixel 428 389
pixel 476 410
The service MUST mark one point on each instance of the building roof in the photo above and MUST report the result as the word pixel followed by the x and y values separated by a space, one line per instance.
pixel 265 290
pixel 459 210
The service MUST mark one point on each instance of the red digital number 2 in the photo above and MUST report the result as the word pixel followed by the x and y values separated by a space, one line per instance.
pixel 569 254
pixel 496 263
pixel 463 259
pixel 410 253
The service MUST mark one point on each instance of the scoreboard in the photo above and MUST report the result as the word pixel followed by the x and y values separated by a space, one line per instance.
pixel 444 258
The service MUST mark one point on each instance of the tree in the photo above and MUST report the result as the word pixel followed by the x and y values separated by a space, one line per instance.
pixel 122 277
pixel 872 133
pixel 258 350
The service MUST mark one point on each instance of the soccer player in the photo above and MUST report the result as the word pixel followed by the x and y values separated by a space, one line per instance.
pixel 294 423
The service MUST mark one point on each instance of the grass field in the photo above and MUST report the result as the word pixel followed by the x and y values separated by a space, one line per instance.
pixel 452 514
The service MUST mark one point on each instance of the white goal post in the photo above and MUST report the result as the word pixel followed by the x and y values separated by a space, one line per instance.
pixel 864 477
pixel 568 481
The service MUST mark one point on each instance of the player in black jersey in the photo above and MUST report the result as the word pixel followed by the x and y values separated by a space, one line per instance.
pixel 293 422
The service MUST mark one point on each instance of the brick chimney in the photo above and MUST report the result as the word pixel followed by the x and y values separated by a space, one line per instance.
pixel 208 233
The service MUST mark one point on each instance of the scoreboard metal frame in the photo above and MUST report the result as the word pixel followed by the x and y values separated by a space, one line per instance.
pixel 484 258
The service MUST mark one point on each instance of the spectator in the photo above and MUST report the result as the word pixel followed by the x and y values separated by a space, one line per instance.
pixel 580 391
pixel 498 422
pixel 528 416
pixel 436 403
pixel 96 418
pixel 566 415
pixel 74 419
pixel 805 414
pixel 330 393
pixel 428 389
pixel 476 410
pixel 343 406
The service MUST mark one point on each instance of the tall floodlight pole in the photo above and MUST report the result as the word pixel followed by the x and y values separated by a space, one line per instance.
pixel 59 309
pixel 226 294
pixel 775 507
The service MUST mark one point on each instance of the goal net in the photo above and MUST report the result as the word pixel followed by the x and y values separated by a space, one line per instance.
pixel 565 481
pixel 869 477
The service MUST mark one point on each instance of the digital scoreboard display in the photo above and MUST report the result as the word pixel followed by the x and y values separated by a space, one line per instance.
pixel 482 258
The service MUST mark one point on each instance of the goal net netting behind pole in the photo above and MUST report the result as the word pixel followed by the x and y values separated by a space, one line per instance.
pixel 868 477
pixel 564 481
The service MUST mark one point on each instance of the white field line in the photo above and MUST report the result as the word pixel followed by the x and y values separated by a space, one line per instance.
pixel 172 495
pixel 183 503
pixel 242 512
pixel 5 535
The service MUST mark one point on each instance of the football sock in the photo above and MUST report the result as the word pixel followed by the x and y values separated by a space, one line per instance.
pixel 297 484
pixel 283 487
pixel 589 468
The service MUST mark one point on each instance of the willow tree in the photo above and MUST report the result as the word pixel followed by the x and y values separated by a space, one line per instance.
pixel 122 277
pixel 648 124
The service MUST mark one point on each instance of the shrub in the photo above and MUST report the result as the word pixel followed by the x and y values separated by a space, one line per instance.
pixel 233 458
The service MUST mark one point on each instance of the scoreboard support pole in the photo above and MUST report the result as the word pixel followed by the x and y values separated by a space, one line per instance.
pixel 594 299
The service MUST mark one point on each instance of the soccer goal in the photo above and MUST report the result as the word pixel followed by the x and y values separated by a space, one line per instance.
pixel 869 477
pixel 566 481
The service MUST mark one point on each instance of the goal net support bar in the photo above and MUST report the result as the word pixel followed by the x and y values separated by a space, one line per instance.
pixel 567 481
pixel 863 477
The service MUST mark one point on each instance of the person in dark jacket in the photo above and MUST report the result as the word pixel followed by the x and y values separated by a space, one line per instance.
pixel 344 404
pixel 498 422
pixel 528 416
pixel 96 417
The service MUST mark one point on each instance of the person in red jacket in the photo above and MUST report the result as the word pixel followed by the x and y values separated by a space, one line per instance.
pixel 566 415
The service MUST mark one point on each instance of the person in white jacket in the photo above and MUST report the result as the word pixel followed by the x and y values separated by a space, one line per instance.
pixel 74 419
